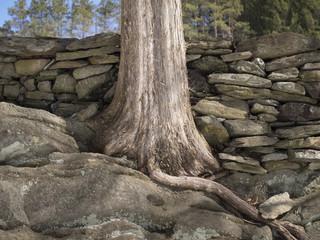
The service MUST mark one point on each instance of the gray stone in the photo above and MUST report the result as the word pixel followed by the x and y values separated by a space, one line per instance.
pixel 65 109
pixel 229 110
pixel 190 58
pixel 298 132
pixel 10 59
pixel 293 61
pixel 276 156
pixel 267 102
pixel 254 141
pixel 309 142
pixel 104 59
pixel 259 108
pixel 65 84
pixel 239 159
pixel 284 74
pixel 89 71
pixel 62 56
pixel 7 70
pixel 29 84
pixel 27 133
pixel 314 166
pixel 29 47
pixel 260 63
pixel 37 95
pixel 88 112
pixel 67 97
pixel 305 155
pixel 11 91
pixel 30 66
pixel 209 64
pixel 300 112
pixel 311 66
pixel 289 87
pixel 289 97
pixel 313 89
pixel 266 117
pixel 107 98
pixel 213 131
pixel 278 45
pixel 276 206
pixel 281 165
pixel 88 85
pixel 96 41
pixel 246 127
pixel 69 64
pixel 240 79
pixel 48 75
pixel 244 93
pixel 45 86
pixel 240 167
pixel 207 44
pixel 236 56
pixel 247 67
pixel 310 75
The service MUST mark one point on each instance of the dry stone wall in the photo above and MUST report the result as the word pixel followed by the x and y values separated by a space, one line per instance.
pixel 256 103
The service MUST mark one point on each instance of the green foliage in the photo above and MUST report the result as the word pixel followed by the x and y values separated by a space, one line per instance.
pixel 39 14
pixel 58 13
pixel 108 12
pixel 19 19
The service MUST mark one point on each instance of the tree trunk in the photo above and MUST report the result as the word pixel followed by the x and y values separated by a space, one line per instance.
pixel 150 114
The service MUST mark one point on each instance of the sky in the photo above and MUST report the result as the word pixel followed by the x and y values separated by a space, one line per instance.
pixel 5 4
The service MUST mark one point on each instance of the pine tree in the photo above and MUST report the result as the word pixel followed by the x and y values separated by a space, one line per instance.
pixel 106 15
pixel 81 17
pixel 19 17
pixel 5 30
pixel 58 13
pixel 41 25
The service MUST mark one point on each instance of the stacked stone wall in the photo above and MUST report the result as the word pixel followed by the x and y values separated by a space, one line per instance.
pixel 256 103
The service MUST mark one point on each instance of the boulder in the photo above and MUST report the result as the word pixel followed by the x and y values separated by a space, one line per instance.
pixel 276 206
pixel 26 133
pixel 246 127
pixel 64 83
pixel 293 61
pixel 209 64
pixel 286 74
pixel 89 71
pixel 222 109
pixel 278 45
pixel 300 112
pixel 298 131
pixel 289 87
pixel 240 79
pixel 96 41
pixel 236 56
pixel 30 66
pixel 247 67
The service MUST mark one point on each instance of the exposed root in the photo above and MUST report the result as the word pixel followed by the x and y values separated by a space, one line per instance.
pixel 288 230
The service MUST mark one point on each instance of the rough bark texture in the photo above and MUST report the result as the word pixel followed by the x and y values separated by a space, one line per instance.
pixel 150 114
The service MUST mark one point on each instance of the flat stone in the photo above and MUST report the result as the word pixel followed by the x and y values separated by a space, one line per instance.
pixel 246 127
pixel 213 131
pixel 259 108
pixel 192 57
pixel 244 93
pixel 45 86
pixel 309 142
pixel 300 112
pixel 314 166
pixel 88 112
pixel 298 132
pixel 229 110
pixel 29 84
pixel 10 59
pixel 88 85
pixel 96 41
pixel 254 141
pixel 8 82
pixel 276 205
pixel 313 89
pixel 48 75
pixel 311 66
pixel 239 79
pixel 260 63
pixel 286 74
pixel 69 64
pixel 276 156
pixel 247 67
pixel 11 91
pixel 37 95
pixel 30 66
pixel 68 109
pixel 240 167
pixel 236 56
pixel 289 97
pixel 266 117
pixel 310 75
pixel 206 44
pixel 89 71
pixel 278 45
pixel 65 83
pixel 239 159
pixel 289 87
pixel 7 70
pixel 293 61
pixel 305 155
pixel 67 97
pixel 280 165
pixel 62 56
pixel 266 102
pixel 209 64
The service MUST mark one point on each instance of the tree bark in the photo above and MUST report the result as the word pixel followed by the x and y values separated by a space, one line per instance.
pixel 150 114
